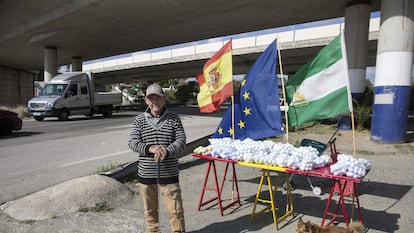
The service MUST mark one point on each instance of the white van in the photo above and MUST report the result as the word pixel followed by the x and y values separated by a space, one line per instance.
pixel 72 93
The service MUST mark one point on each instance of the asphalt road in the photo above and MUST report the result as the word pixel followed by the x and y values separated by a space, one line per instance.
pixel 46 153
pixel 386 194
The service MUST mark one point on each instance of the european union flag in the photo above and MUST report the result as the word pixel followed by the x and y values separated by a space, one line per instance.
pixel 256 105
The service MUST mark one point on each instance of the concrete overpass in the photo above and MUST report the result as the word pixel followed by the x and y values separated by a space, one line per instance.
pixel 96 29
pixel 297 47
pixel 81 30
pixel 100 28
pixel 36 37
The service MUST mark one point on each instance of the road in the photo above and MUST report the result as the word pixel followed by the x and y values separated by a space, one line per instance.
pixel 386 194
pixel 46 153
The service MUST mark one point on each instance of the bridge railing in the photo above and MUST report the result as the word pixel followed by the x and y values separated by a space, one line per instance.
pixel 285 35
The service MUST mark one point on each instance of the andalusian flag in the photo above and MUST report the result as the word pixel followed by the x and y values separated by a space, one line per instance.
pixel 320 89
pixel 216 81
pixel 256 103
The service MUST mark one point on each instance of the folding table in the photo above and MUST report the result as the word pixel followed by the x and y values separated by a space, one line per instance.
pixel 339 184
pixel 266 169
pixel 218 189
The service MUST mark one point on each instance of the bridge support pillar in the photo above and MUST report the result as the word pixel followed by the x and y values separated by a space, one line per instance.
pixel 76 63
pixel 357 16
pixel 393 72
pixel 50 63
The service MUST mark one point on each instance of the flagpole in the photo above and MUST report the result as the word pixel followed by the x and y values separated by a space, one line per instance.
pixel 232 117
pixel 234 136
pixel 350 102
pixel 353 132
pixel 283 90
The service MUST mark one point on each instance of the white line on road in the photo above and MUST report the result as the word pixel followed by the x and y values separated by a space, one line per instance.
pixel 95 158
pixel 119 126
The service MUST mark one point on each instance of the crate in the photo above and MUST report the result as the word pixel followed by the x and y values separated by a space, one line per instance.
pixel 321 147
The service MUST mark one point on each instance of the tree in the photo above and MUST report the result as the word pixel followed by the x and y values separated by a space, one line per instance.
pixel 187 91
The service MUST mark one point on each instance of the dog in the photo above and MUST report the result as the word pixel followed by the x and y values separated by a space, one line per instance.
pixel 308 227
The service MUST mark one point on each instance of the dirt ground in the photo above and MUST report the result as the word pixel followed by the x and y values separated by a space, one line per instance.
pixel 345 139
pixel 386 196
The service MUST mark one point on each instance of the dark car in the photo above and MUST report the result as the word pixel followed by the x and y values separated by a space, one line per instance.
pixel 9 121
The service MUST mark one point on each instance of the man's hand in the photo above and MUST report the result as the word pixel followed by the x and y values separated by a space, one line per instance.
pixel 159 151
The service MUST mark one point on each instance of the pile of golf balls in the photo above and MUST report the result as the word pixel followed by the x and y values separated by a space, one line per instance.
pixel 271 153
pixel 350 166
pixel 266 152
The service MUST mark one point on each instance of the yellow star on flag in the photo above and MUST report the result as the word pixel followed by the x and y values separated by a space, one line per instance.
pixel 220 131
pixel 243 83
pixel 246 95
pixel 241 124
pixel 246 111
pixel 231 131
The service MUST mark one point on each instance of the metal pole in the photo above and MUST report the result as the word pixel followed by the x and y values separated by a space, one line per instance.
pixel 158 194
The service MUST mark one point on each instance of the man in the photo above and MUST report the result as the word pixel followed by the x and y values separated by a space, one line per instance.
pixel 158 137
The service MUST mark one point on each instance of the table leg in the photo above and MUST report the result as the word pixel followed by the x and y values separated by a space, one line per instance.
pixel 272 194
pixel 203 189
pixel 218 189
pixel 342 202
pixel 325 212
pixel 259 189
pixel 272 198
pixel 356 193
pixel 234 183
pixel 237 184
pixel 340 187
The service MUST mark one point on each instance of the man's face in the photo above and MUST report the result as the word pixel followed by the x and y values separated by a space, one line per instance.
pixel 155 103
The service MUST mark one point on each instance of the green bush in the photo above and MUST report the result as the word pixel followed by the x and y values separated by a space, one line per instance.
pixel 362 114
pixel 99 207
pixel 20 110
pixel 111 166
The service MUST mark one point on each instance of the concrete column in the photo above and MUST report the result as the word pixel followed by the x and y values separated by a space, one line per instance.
pixel 357 16
pixel 393 72
pixel 50 63
pixel 16 87
pixel 76 63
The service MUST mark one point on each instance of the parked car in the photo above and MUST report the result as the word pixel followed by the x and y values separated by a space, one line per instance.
pixel 9 122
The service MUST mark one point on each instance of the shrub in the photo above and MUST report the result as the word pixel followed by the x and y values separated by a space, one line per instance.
pixel 20 110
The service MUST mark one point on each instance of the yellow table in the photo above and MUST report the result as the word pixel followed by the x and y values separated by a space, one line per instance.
pixel 266 169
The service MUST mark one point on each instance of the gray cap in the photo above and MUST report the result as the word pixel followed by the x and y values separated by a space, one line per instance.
pixel 154 89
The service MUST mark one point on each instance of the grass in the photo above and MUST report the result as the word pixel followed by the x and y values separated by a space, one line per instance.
pixel 405 148
pixel 20 110
pixel 109 167
pixel 365 152
pixel 130 181
pixel 99 207
pixel 29 221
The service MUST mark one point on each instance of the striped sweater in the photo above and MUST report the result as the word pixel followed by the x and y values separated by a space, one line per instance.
pixel 166 130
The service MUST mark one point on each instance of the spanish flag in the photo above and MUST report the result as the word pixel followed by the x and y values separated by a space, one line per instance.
pixel 216 81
